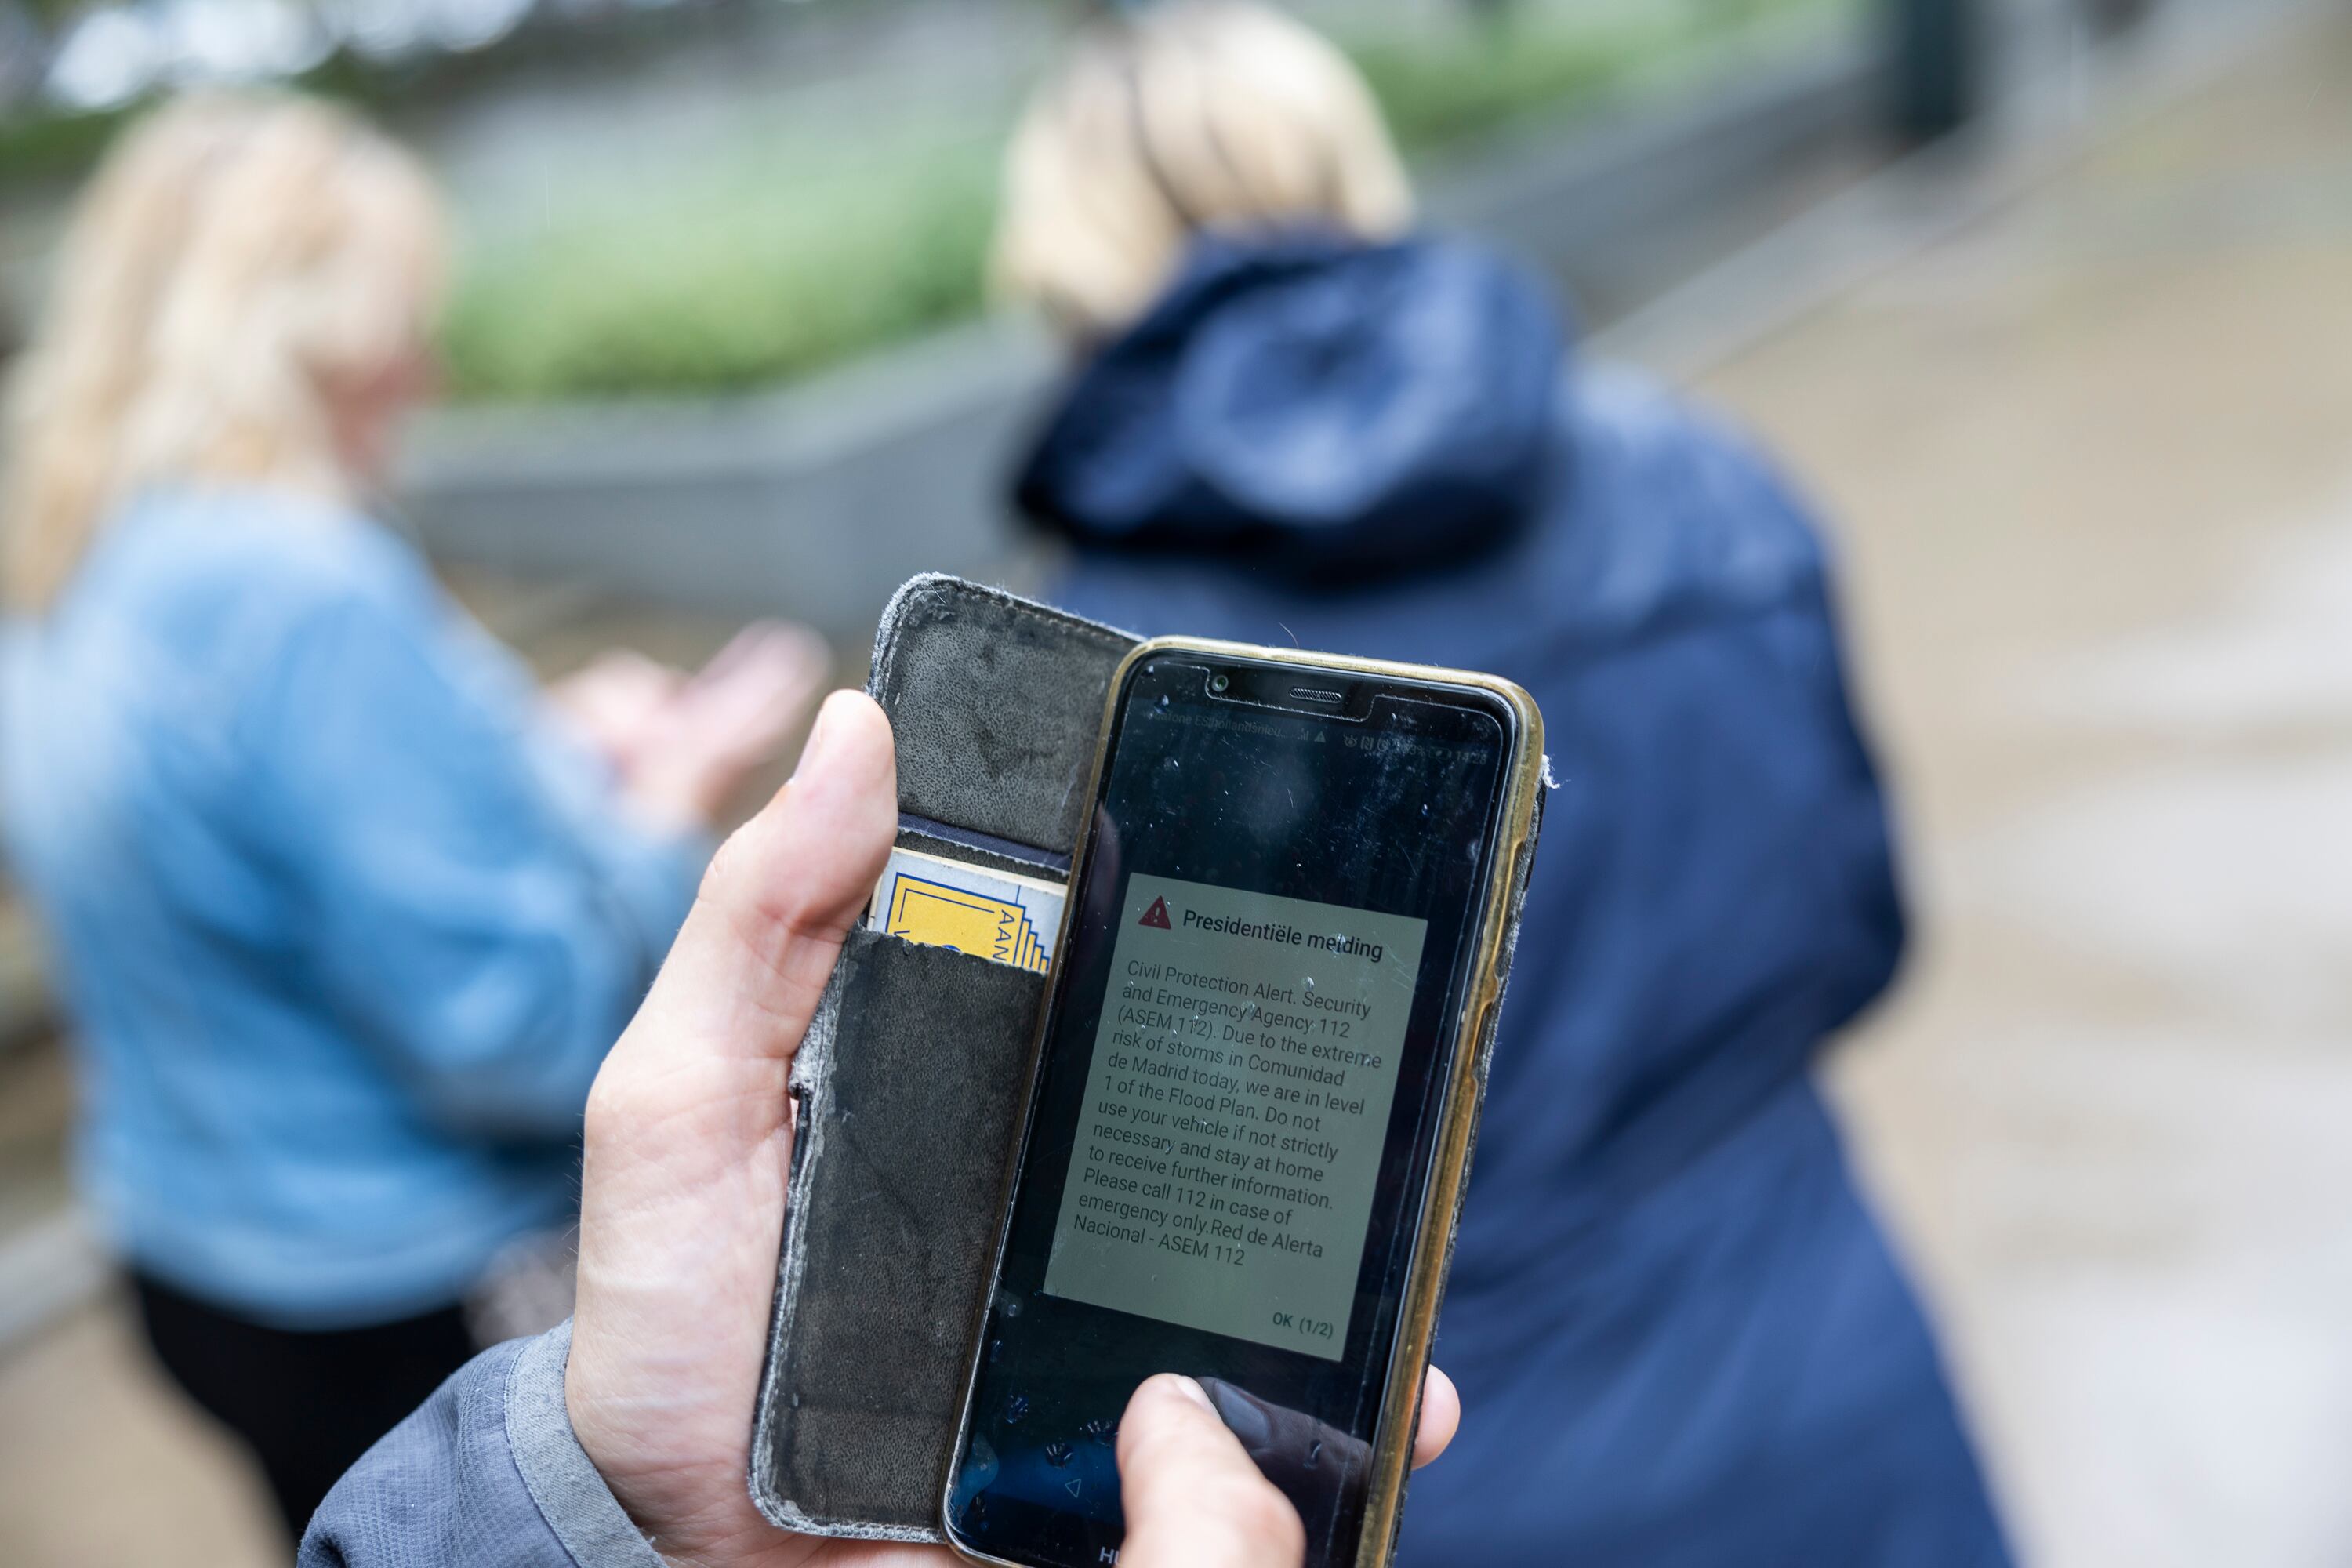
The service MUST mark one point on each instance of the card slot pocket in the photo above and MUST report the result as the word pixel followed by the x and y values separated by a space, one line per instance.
pixel 913 836
pixel 911 1090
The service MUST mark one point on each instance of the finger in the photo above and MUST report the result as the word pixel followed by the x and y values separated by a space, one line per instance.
pixel 753 956
pixel 727 733
pixel 1441 1417
pixel 638 665
pixel 744 708
pixel 770 691
pixel 806 649
pixel 618 671
pixel 791 659
pixel 627 659
pixel 773 645
pixel 1192 1498
pixel 736 648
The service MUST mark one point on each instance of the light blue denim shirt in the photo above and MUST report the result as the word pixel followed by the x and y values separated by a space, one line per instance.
pixel 343 927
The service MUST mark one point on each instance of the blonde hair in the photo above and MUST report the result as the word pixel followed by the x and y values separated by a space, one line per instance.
pixel 234 253
pixel 1193 115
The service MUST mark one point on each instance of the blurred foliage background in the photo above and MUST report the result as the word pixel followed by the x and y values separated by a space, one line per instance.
pixel 810 179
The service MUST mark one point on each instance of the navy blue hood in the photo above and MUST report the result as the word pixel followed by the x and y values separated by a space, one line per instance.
pixel 1335 409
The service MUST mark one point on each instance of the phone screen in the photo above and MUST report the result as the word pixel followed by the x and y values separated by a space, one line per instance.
pixel 1240 1090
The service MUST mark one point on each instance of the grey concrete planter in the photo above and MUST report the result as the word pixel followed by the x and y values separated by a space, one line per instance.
pixel 816 500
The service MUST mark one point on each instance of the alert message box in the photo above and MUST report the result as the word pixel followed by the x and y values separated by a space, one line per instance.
pixel 1236 1105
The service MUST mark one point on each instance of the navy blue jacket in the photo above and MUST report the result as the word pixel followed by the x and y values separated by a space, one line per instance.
pixel 1679 1336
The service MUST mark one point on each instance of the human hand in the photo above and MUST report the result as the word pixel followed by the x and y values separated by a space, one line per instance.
pixel 688 1148
pixel 688 1145
pixel 684 748
pixel 613 700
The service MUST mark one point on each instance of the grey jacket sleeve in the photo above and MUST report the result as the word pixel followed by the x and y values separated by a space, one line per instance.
pixel 487 1471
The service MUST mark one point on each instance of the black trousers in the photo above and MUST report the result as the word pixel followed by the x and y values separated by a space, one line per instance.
pixel 307 1403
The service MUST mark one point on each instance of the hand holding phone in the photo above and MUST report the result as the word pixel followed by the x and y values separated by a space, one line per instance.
pixel 687 1145
pixel 681 743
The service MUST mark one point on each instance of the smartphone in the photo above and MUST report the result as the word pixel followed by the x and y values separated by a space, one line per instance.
pixel 1257 1074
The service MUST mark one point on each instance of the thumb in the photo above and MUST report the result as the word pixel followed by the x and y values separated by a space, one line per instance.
pixel 687 1146
pixel 1192 1498
pixel 746 971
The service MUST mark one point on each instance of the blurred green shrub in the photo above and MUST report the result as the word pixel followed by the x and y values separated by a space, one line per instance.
pixel 1449 89
pixel 56 146
pixel 765 272
pixel 789 257
pixel 727 281
pixel 796 255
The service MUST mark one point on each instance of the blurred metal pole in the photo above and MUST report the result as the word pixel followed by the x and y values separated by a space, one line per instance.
pixel 1936 48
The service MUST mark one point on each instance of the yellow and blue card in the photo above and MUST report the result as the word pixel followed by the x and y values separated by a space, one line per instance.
pixel 992 914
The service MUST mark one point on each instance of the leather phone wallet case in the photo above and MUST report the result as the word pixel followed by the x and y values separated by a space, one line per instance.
pixel 912 1083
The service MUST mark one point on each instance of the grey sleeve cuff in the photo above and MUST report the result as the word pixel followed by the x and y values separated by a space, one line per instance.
pixel 572 1497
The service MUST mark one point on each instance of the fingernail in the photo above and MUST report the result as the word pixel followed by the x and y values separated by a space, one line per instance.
pixel 1196 1393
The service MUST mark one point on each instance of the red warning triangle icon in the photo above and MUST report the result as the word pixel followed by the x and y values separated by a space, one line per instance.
pixel 1157 915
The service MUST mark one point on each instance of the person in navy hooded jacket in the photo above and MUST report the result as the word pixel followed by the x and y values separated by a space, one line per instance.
pixel 1679 1336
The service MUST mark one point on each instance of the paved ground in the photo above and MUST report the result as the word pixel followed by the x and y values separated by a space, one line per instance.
pixel 2090 456
pixel 2092 462
pixel 101 1467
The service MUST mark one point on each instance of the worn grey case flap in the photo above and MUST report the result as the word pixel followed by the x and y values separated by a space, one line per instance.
pixel 911 1079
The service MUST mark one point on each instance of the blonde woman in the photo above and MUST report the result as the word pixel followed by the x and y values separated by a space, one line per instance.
pixel 345 915
pixel 1680 1338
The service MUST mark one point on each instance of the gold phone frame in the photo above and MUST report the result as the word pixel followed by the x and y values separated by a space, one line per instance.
pixel 1433 1226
